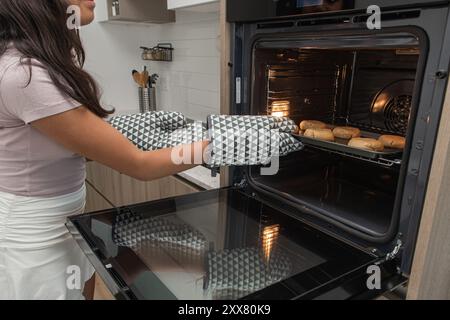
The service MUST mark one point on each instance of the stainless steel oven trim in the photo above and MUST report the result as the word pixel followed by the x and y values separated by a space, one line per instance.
pixel 440 87
pixel 101 269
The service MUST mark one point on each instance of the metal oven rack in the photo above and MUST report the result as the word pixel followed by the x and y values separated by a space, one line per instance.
pixel 388 158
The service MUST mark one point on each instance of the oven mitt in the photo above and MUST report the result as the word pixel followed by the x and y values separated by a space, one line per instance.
pixel 133 230
pixel 235 273
pixel 250 140
pixel 235 140
pixel 160 238
pixel 156 130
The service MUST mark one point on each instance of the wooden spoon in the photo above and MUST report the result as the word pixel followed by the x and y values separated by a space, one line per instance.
pixel 144 77
pixel 137 77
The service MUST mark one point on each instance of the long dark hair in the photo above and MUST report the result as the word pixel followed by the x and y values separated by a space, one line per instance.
pixel 38 30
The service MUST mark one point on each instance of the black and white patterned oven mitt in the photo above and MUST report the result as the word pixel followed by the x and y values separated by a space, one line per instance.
pixel 159 237
pixel 250 140
pixel 133 230
pixel 156 130
pixel 234 273
pixel 235 140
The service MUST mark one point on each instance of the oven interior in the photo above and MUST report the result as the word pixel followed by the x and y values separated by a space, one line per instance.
pixel 360 84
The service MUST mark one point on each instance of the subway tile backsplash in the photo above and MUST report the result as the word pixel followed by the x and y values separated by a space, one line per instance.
pixel 189 84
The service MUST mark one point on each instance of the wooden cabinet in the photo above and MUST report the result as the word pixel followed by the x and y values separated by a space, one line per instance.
pixel 430 276
pixel 225 76
pixel 94 200
pixel 200 5
pixel 149 11
pixel 101 10
pixel 172 187
pixel 101 291
pixel 121 190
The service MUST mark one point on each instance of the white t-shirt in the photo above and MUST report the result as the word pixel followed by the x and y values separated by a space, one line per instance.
pixel 31 164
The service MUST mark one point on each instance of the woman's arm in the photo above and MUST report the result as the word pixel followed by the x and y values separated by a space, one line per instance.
pixel 82 132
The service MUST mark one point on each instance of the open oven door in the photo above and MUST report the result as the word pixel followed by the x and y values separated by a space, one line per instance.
pixel 224 244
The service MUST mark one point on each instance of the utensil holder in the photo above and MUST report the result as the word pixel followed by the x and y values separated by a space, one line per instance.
pixel 147 99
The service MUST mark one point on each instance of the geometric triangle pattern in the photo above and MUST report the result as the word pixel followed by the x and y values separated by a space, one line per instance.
pixel 235 273
pixel 250 140
pixel 156 130
pixel 192 132
pixel 229 274
pixel 235 140
pixel 134 231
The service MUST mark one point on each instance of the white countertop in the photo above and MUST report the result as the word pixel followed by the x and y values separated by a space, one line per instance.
pixel 201 176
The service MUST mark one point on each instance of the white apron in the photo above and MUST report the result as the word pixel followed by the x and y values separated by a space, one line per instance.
pixel 39 260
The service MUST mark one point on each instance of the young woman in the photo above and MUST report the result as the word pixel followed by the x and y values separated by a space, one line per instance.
pixel 50 121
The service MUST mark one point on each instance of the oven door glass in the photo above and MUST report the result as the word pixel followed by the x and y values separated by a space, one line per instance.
pixel 216 245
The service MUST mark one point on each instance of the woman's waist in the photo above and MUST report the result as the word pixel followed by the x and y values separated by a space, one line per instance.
pixel 35 186
pixel 29 222
pixel 41 178
pixel 40 208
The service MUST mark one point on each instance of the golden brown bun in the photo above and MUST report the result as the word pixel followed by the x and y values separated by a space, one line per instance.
pixel 366 144
pixel 312 124
pixel 346 132
pixel 320 134
pixel 395 142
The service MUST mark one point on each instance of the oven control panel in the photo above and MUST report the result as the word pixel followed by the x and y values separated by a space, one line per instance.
pixel 252 10
pixel 294 7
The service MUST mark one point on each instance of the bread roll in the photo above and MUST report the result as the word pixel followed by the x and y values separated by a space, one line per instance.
pixel 366 144
pixel 312 124
pixel 395 142
pixel 346 132
pixel 320 134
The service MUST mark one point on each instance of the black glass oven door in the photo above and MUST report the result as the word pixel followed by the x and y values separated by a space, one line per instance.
pixel 221 244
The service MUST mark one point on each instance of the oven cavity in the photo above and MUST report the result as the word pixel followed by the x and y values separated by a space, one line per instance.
pixel 365 82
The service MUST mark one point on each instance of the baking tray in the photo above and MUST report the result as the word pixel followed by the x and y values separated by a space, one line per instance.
pixel 340 145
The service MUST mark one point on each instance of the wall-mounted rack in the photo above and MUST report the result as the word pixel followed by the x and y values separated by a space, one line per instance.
pixel 162 52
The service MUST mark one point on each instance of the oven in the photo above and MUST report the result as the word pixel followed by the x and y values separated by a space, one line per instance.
pixel 333 218
pixel 328 66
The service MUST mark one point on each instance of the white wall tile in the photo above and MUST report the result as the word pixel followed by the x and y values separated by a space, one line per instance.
pixel 189 84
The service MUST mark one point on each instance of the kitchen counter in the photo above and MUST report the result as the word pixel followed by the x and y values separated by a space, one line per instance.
pixel 201 177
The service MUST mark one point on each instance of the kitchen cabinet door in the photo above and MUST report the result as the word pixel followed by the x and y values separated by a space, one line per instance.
pixel 173 186
pixel 430 276
pixel 154 11
pixel 101 290
pixel 95 201
pixel 195 5
pixel 101 10
pixel 122 190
